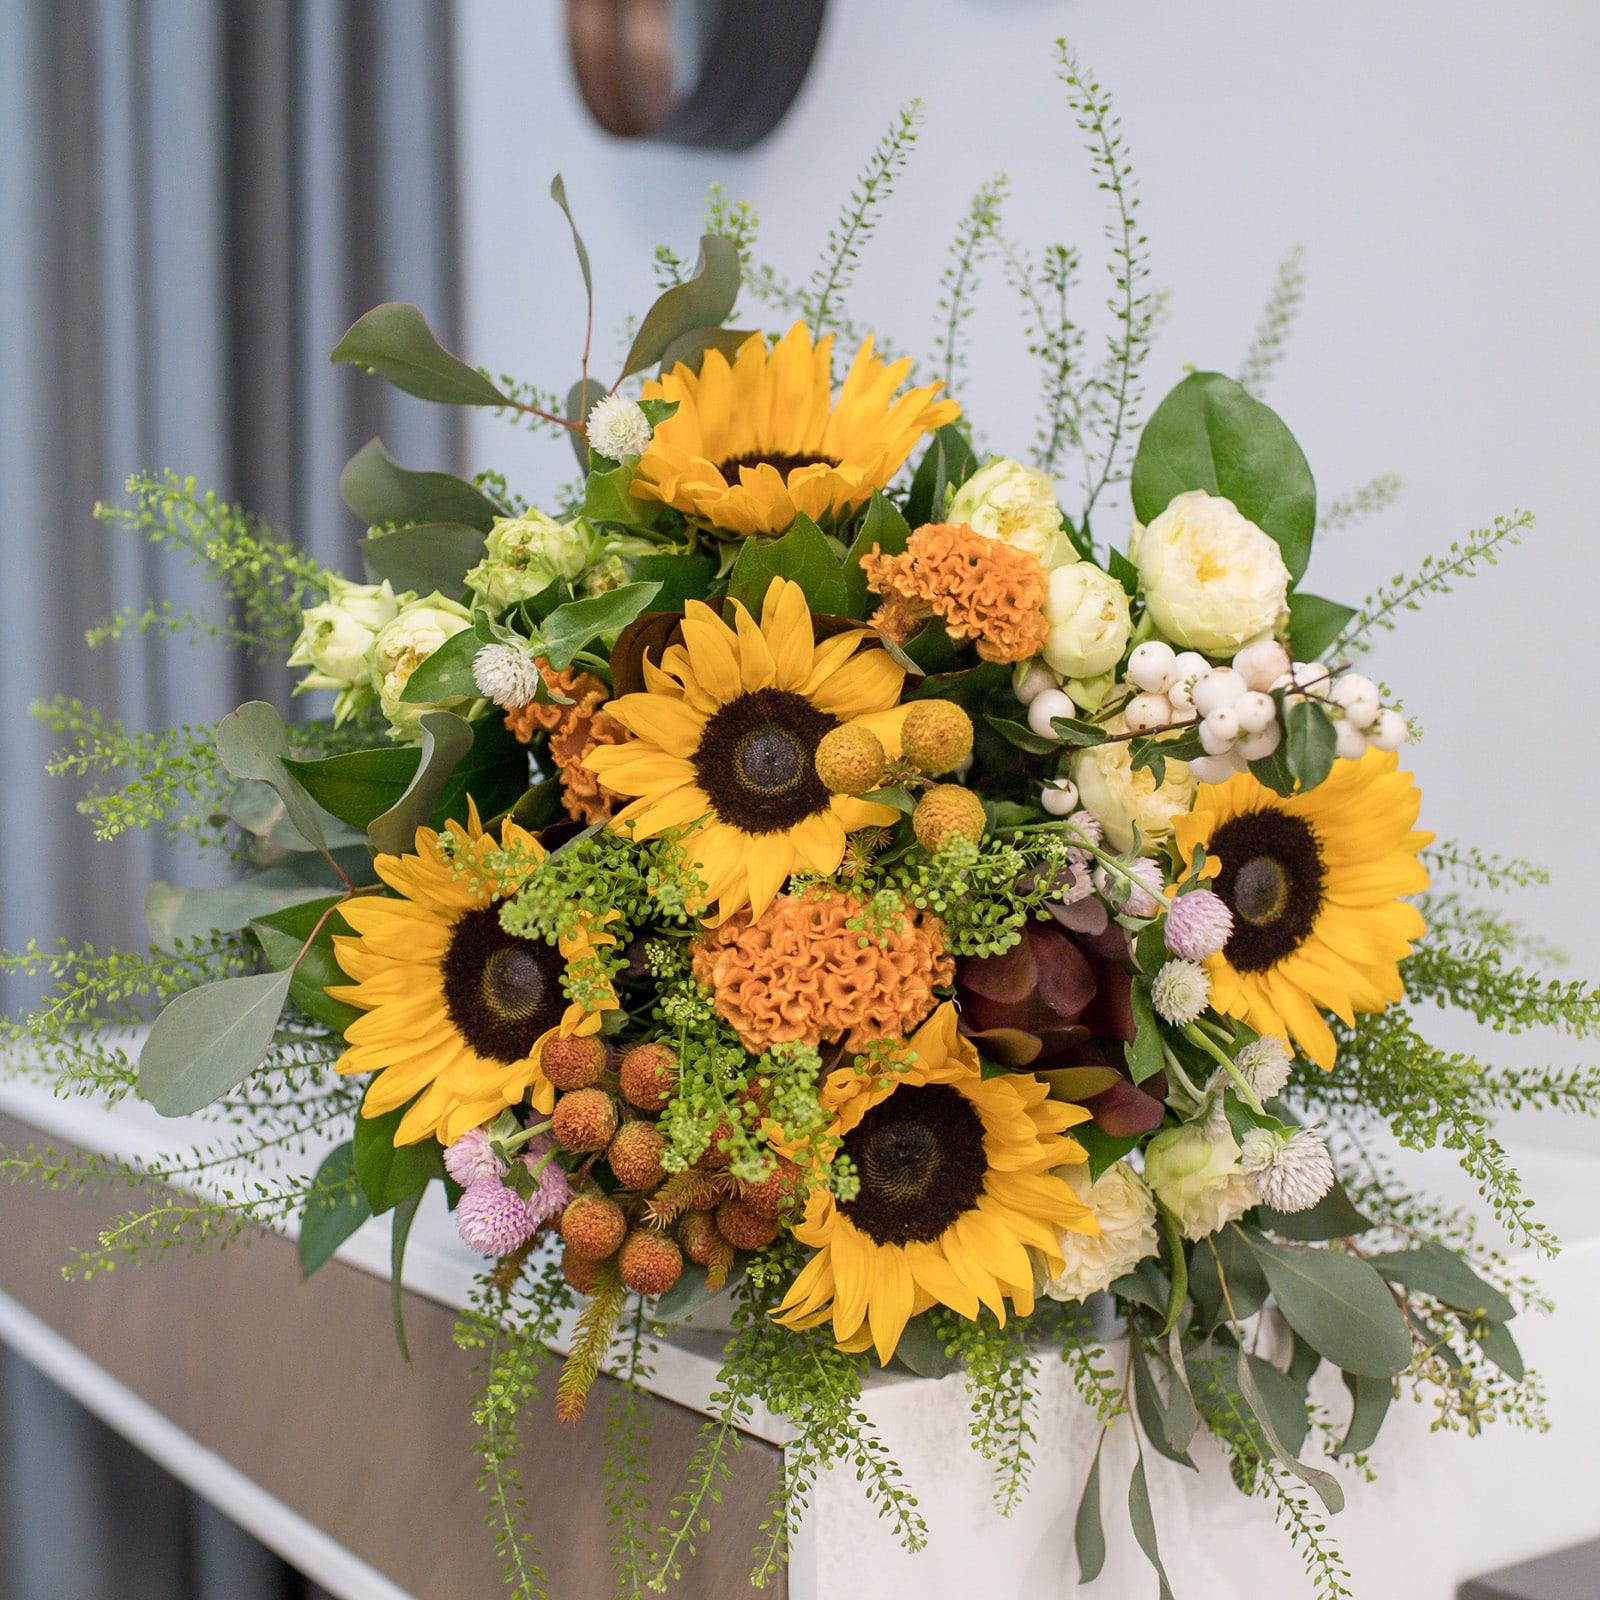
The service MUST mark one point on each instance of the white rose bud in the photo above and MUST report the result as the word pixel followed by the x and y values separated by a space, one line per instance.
pixel 1122 798
pixel 1211 578
pixel 401 646
pixel 1126 1212
pixel 1087 610
pixel 1016 504
pixel 1196 1175
pixel 525 555
pixel 336 636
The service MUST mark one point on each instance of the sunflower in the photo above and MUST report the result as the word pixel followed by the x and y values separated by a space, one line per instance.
pixel 725 742
pixel 1315 884
pixel 458 1011
pixel 956 1186
pixel 754 444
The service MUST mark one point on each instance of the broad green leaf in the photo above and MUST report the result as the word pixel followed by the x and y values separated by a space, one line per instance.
pixel 682 577
pixel 1501 1348
pixel 1431 1269
pixel 1369 1404
pixel 172 913
pixel 946 464
pixel 1120 568
pixel 1208 433
pixel 569 628
pixel 702 300
pixel 395 341
pixel 1145 1055
pixel 1105 1149
pixel 1088 1532
pixel 386 1172
pixel 1144 1526
pixel 431 556
pixel 920 1350
pixel 1247 1284
pixel 253 742
pixel 446 738
pixel 690 1294
pixel 804 555
pixel 1338 1305
pixel 328 1220
pixel 1334 1216
pixel 405 1213
pixel 209 1040
pixel 282 936
pixel 1249 1372
pixel 1151 1406
pixel 689 349
pixel 1315 623
pixel 383 493
pixel 447 673
pixel 1310 743
pixel 1285 1403
pixel 1146 1285
pixel 259 809
pixel 607 499
pixel 882 529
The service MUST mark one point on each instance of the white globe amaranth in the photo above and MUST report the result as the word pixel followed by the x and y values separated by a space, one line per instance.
pixel 1126 1211
pixel 525 555
pixel 1015 504
pixel 1265 1064
pixel 1211 579
pixel 336 635
pixel 1290 1169
pixel 401 646
pixel 507 674
pixel 1195 1173
pixel 618 427
pixel 1124 799
pixel 1180 991
pixel 1087 610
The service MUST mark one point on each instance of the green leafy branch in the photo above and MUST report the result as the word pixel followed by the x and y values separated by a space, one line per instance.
pixel 1271 341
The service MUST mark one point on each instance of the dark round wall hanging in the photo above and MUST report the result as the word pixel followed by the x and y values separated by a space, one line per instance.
pixel 712 74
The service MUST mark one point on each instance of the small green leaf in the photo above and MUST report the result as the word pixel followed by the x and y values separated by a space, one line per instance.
pixel 388 1172
pixel 921 1350
pixel 1075 731
pixel 405 1213
pixel 1146 1285
pixel 1088 1533
pixel 1431 1269
pixel 1315 624
pixel 1022 736
pixel 1338 1305
pixel 282 936
pixel 446 674
pixel 702 300
pixel 328 1220
pixel 803 555
pixel 384 494
pixel 682 578
pixel 1144 1526
pixel 946 464
pixel 1310 743
pixel 446 738
pixel 882 529
pixel 571 627
pixel 608 499
pixel 558 193
pixel 1145 1056
pixel 1105 1149
pixel 1369 1404
pixel 253 742
pixel 395 341
pixel 209 1040
pixel 433 556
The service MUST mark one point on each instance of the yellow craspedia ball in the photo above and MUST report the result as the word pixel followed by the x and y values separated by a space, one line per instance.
pixel 937 736
pixel 945 811
pixel 851 760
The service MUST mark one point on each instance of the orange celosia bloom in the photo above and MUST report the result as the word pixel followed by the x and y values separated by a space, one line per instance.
pixel 798 972
pixel 980 588
pixel 574 731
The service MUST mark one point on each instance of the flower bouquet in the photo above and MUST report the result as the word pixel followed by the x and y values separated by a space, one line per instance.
pixel 812 884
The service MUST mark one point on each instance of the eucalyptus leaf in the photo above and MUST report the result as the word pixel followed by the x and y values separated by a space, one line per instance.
pixel 328 1220
pixel 428 558
pixel 1337 1304
pixel 172 913
pixel 1323 1484
pixel 1431 1269
pixel 283 937
pixel 569 628
pixel 1144 1526
pixel 922 1352
pixel 253 742
pixel 1226 1253
pixel 383 493
pixel 690 347
pixel 1147 1285
pixel 405 1213
pixel 691 1294
pixel 582 398
pixel 1500 1347
pixel 395 341
pixel 1088 1532
pixel 209 1040
pixel 1209 433
pixel 702 300
pixel 1177 1267
pixel 446 738
pixel 803 555
pixel 1151 1406
pixel 1369 1405
pixel 1334 1216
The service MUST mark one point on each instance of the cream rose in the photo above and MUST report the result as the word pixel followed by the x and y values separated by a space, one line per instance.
pixel 1126 1212
pixel 1123 799
pixel 1087 610
pixel 1195 1173
pixel 1211 579
pixel 336 635
pixel 401 646
pixel 526 554
pixel 1016 504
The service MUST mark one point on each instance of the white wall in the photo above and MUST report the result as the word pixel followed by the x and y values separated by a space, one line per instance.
pixel 1435 157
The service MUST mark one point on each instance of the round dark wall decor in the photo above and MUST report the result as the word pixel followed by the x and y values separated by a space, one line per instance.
pixel 711 74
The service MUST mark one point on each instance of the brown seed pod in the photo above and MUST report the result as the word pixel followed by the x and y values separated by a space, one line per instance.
pixel 778 1190
pixel 593 1226
pixel 584 1120
pixel 573 1063
pixel 744 1227
pixel 579 1271
pixel 650 1262
pixel 649 1074
pixel 635 1155
pixel 698 1235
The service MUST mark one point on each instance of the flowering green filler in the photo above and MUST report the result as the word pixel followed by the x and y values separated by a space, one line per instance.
pixel 803 874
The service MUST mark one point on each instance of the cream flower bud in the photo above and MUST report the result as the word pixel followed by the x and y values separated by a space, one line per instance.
pixel 1123 799
pixel 402 645
pixel 336 636
pixel 1195 1173
pixel 1087 610
pixel 1126 1212
pixel 1211 579
pixel 525 555
pixel 1016 504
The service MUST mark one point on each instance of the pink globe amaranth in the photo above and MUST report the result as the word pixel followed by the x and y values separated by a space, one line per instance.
pixel 550 1198
pixel 472 1157
pixel 1199 924
pixel 494 1220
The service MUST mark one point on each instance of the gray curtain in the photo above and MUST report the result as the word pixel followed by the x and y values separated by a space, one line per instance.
pixel 196 198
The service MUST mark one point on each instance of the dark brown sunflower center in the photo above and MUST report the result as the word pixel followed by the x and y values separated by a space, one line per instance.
pixel 757 760
pixel 783 464
pixel 919 1155
pixel 501 992
pixel 1272 878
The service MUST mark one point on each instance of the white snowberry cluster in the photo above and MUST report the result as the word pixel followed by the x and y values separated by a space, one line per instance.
pixel 1234 705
